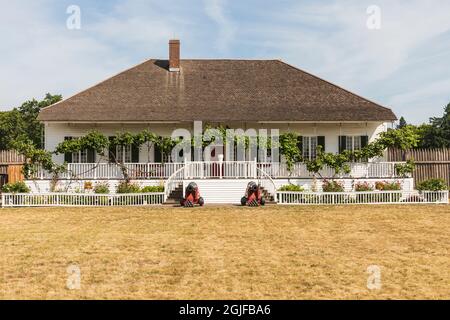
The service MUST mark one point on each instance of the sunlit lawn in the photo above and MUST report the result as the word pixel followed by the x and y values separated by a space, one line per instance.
pixel 226 252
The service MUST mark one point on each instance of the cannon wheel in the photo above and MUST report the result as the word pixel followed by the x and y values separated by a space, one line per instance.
pixel 188 204
pixel 201 201
pixel 263 201
pixel 243 201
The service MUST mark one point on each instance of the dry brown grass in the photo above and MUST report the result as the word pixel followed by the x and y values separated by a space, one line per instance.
pixel 226 252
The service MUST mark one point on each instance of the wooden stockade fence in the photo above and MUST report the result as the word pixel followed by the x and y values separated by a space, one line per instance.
pixel 11 157
pixel 10 166
pixel 430 163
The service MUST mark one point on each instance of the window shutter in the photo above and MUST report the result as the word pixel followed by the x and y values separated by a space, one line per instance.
pixel 134 154
pixel 342 143
pixel 364 141
pixel 68 155
pixel 321 142
pixel 158 155
pixel 90 156
pixel 112 151
pixel 300 145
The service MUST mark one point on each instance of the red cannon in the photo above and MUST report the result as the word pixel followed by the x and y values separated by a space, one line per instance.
pixel 253 196
pixel 192 196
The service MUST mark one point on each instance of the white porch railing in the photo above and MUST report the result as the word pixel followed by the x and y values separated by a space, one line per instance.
pixel 381 197
pixel 80 199
pixel 220 169
pixel 174 181
pixel 214 169
pixel 265 181
pixel 112 171
pixel 358 170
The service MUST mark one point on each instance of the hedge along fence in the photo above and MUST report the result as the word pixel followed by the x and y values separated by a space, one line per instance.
pixel 373 197
pixel 80 199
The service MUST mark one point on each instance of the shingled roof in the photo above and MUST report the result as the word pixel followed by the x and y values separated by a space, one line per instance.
pixel 216 91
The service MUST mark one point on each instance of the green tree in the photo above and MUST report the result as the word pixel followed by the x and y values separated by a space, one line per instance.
pixel 437 134
pixel 29 111
pixel 402 123
pixel 12 128
pixel 404 138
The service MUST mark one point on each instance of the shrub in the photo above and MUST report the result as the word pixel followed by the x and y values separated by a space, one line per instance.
pixel 291 187
pixel 16 187
pixel 152 189
pixel 363 186
pixel 125 187
pixel 332 186
pixel 379 185
pixel 405 170
pixel 88 185
pixel 101 188
pixel 388 186
pixel 392 186
pixel 432 185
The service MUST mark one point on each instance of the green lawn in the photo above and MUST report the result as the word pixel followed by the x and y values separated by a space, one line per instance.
pixel 226 252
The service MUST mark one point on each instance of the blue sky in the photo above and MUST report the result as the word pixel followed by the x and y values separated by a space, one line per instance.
pixel 403 65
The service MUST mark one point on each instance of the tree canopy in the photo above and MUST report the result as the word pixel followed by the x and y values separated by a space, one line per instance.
pixel 436 134
pixel 21 124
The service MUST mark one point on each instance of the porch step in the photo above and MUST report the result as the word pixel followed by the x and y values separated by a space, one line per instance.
pixel 176 196
pixel 269 198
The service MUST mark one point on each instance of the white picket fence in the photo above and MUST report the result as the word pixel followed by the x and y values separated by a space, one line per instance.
pixel 373 197
pixel 283 198
pixel 80 199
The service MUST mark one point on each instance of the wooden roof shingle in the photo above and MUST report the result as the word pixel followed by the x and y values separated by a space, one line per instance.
pixel 216 91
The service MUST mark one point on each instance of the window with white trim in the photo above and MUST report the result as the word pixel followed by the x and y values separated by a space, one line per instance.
pixel 124 154
pixel 166 157
pixel 309 148
pixel 80 156
pixel 353 143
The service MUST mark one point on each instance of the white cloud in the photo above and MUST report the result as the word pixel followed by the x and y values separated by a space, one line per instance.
pixel 215 9
pixel 38 57
pixel 332 40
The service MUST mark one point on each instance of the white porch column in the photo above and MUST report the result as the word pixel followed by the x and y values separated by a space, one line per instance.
pixel 220 166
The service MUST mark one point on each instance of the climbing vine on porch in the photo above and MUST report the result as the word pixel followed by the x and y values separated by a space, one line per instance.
pixel 103 145
pixel 287 143
pixel 38 157
pixel 403 139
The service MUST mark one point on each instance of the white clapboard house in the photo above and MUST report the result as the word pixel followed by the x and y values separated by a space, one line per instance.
pixel 163 95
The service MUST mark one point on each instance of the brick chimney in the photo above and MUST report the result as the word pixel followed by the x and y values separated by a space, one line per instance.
pixel 174 55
